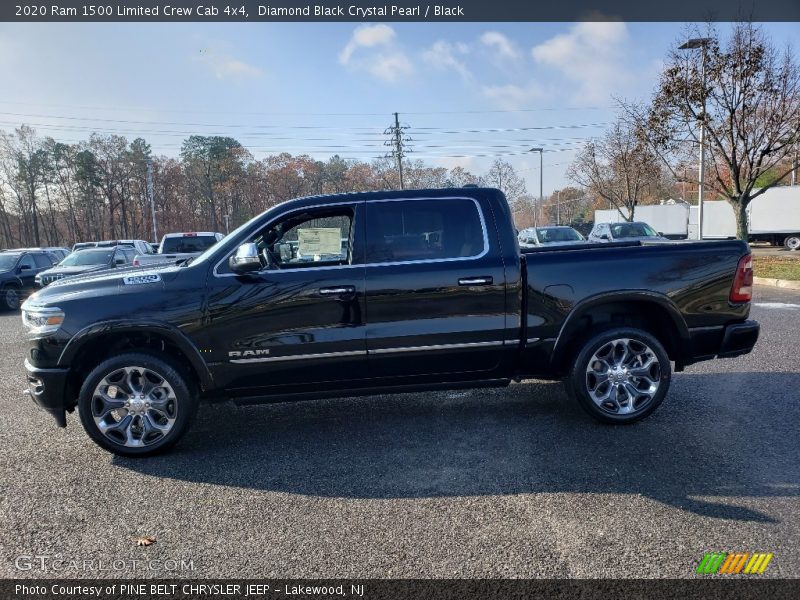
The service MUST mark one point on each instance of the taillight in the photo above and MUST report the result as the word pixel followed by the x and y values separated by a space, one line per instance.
pixel 742 288
pixel 136 262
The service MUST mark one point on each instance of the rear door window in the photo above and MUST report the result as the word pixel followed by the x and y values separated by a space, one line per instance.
pixel 423 230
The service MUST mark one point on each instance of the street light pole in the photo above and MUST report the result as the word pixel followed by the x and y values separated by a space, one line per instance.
pixel 693 44
pixel 541 185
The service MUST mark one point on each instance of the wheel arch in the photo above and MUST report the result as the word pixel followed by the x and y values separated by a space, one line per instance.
pixel 650 311
pixel 90 345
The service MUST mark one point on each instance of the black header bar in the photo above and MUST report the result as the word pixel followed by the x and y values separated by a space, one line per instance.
pixel 411 11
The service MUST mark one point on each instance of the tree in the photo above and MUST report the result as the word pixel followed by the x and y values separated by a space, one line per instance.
pixel 502 176
pixel 620 168
pixel 752 113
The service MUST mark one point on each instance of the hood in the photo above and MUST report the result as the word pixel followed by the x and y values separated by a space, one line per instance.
pixel 69 271
pixel 105 282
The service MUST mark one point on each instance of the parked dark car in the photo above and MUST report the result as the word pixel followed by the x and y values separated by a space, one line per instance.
pixel 86 261
pixel 552 235
pixel 18 270
pixel 625 231
pixel 430 292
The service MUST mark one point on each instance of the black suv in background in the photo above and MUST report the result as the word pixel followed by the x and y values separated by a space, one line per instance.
pixel 18 270
pixel 88 260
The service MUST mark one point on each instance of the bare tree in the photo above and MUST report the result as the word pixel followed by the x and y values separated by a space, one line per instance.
pixel 752 114
pixel 502 176
pixel 619 167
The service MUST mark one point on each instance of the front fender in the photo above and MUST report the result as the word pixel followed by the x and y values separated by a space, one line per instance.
pixel 159 328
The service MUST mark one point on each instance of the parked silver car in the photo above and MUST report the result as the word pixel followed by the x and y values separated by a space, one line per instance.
pixel 624 232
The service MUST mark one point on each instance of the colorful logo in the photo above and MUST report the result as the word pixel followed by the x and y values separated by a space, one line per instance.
pixel 732 563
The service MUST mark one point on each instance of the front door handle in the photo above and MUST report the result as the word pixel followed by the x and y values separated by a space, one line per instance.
pixel 475 281
pixel 338 290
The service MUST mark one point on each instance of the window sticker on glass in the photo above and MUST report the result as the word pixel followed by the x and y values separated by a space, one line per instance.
pixel 320 241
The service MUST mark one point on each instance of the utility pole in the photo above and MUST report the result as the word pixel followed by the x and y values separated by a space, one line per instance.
pixel 150 197
pixel 397 141
pixel 558 208
pixel 541 184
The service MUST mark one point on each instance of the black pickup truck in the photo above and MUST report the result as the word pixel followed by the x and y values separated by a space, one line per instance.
pixel 380 292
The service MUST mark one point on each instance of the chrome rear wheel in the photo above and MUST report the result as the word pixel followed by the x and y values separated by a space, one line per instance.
pixel 623 376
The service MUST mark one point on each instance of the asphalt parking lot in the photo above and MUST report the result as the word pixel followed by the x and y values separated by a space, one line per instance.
pixel 498 483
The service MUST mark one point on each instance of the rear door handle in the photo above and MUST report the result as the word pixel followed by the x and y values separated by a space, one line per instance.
pixel 339 290
pixel 475 281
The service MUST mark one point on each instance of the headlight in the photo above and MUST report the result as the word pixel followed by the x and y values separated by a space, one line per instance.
pixel 42 320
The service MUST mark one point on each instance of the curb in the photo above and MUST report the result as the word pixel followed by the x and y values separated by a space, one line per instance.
pixel 781 283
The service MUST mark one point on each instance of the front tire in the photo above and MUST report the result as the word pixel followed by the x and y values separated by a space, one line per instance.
pixel 620 376
pixel 136 404
pixel 10 297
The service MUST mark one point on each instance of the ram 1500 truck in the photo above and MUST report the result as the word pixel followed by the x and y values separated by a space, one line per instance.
pixel 429 290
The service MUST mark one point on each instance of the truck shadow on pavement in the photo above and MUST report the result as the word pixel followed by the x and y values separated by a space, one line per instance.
pixel 718 440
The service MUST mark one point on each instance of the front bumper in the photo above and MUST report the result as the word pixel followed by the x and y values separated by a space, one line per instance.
pixel 47 388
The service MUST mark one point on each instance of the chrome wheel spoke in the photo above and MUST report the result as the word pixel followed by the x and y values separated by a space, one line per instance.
pixel 623 376
pixel 134 406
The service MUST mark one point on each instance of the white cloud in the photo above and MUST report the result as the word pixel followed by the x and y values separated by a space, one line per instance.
pixel 444 55
pixel 367 36
pixel 385 61
pixel 591 55
pixel 226 67
pixel 511 96
pixel 503 47
pixel 390 67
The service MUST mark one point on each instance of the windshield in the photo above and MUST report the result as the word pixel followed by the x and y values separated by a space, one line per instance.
pixel 627 230
pixel 7 261
pixel 195 243
pixel 557 234
pixel 87 257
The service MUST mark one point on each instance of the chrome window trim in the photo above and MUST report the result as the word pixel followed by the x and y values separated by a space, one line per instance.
pixel 382 264
pixel 438 347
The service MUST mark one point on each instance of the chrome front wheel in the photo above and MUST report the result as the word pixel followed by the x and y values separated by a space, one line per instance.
pixel 137 404
pixel 134 406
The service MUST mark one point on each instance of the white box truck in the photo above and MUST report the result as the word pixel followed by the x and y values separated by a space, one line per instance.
pixel 774 217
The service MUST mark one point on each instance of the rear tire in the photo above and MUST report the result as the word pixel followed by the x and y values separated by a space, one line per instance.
pixel 620 375
pixel 10 297
pixel 792 242
pixel 136 404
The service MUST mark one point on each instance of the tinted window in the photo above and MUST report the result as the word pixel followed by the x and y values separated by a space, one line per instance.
pixel 626 230
pixel 557 234
pixel 27 260
pixel 408 230
pixel 196 243
pixel 8 261
pixel 42 261
pixel 88 257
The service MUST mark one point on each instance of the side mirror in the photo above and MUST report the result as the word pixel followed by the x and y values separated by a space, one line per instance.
pixel 119 262
pixel 24 268
pixel 604 236
pixel 246 259
pixel 661 233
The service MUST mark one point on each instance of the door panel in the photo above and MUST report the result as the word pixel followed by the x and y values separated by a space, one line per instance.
pixel 291 324
pixel 430 309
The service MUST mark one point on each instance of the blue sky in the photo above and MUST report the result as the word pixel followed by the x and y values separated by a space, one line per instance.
pixel 332 88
